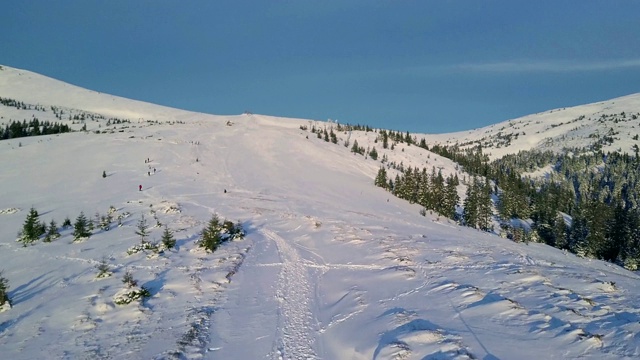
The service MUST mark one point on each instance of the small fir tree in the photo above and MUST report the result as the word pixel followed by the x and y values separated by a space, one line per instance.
pixel 66 223
pixel 142 229
pixel 52 232
pixel 167 238
pixel 103 268
pixel 381 178
pixel 211 238
pixel 128 279
pixel 4 290
pixel 81 227
pixel 373 153
pixel 32 229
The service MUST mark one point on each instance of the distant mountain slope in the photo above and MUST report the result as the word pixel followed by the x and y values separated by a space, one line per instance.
pixel 37 89
pixel 610 125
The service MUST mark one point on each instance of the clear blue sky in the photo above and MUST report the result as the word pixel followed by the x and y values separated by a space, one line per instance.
pixel 423 66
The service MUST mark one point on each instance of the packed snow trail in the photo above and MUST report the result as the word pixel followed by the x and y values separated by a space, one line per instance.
pixel 256 291
pixel 295 340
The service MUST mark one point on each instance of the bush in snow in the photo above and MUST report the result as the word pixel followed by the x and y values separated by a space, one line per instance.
pixel 142 247
pixel 132 292
pixel 103 268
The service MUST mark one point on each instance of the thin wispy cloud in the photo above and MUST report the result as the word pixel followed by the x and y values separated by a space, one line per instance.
pixel 546 66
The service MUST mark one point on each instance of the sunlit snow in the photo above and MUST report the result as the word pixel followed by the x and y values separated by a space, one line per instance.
pixel 332 267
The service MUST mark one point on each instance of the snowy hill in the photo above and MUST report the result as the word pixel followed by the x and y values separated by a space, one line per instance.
pixel 331 267
pixel 610 125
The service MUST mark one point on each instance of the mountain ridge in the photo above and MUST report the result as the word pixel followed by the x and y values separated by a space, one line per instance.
pixel 577 127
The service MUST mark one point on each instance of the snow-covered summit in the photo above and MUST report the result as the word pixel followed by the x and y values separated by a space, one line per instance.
pixel 610 125
pixel 36 89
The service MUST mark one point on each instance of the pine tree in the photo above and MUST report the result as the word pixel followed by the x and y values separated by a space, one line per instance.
pixel 451 198
pixel 31 230
pixel 128 279
pixel 470 214
pixel 334 138
pixel 211 238
pixel 560 233
pixel 103 267
pixel 485 208
pixel 52 231
pixel 142 229
pixel 355 148
pixel 167 238
pixel 381 178
pixel 4 290
pixel 80 228
pixel 373 153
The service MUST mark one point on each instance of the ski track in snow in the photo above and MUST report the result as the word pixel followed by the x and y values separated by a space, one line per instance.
pixel 293 291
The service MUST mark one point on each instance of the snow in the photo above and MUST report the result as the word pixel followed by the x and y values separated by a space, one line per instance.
pixel 329 269
pixel 577 126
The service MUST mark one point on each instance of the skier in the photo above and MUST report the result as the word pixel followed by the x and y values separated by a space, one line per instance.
pixel 139 187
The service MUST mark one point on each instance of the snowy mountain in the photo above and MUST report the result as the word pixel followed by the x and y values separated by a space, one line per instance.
pixel 608 125
pixel 331 267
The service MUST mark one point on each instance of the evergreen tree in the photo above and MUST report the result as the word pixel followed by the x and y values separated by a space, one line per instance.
pixel 373 153
pixel 332 135
pixel 167 238
pixel 32 229
pixel 470 214
pixel 381 178
pixel 128 279
pixel 103 267
pixel 485 208
pixel 52 232
pixel 560 233
pixel 80 227
pixel 4 290
pixel 142 229
pixel 355 148
pixel 211 238
pixel 451 198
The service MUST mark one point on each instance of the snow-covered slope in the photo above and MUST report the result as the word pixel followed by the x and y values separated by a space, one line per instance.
pixel 611 124
pixel 331 267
